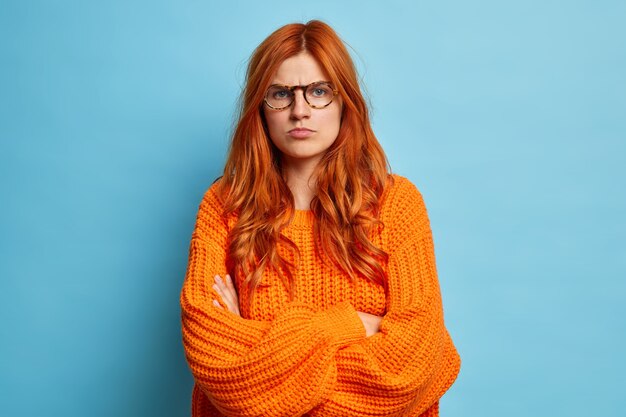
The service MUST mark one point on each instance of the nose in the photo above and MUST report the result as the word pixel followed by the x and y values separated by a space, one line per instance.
pixel 299 109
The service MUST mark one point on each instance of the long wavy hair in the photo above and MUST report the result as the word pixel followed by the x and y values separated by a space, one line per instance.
pixel 351 177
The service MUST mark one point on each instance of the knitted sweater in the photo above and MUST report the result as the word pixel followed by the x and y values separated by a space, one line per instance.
pixel 310 356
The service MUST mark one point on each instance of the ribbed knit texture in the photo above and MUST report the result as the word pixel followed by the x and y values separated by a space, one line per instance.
pixel 310 356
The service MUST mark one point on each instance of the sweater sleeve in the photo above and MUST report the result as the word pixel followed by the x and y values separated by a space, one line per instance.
pixel 405 368
pixel 256 368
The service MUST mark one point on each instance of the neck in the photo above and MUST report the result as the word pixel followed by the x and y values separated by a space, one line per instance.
pixel 300 177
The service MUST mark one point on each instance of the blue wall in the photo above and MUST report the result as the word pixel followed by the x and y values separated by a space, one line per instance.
pixel 509 116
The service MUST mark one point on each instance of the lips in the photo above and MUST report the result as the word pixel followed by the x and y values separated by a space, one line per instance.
pixel 300 132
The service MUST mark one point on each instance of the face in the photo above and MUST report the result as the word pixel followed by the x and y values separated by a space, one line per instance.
pixel 302 134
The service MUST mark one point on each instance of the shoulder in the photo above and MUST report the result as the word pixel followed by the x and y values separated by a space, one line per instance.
pixel 401 189
pixel 212 204
pixel 403 211
pixel 401 198
pixel 213 196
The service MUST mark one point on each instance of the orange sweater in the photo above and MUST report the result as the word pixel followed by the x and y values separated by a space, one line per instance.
pixel 310 356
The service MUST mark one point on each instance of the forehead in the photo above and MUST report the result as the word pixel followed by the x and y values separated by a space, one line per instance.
pixel 300 69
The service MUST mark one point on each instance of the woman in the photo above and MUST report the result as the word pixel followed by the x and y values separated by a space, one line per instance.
pixel 333 308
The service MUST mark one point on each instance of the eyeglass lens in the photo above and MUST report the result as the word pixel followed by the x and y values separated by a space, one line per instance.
pixel 316 94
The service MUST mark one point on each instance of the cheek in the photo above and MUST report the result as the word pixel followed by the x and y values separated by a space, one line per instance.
pixel 333 121
pixel 274 122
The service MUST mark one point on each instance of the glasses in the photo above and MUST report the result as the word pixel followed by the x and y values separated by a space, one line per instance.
pixel 317 95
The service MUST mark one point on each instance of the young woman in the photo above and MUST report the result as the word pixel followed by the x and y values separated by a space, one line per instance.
pixel 311 287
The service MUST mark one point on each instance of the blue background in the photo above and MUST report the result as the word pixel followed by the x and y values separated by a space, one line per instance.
pixel 508 115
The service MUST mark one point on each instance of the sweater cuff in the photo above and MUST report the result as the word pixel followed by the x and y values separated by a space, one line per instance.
pixel 341 323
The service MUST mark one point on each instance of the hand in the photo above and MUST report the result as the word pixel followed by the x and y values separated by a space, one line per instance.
pixel 226 290
pixel 371 323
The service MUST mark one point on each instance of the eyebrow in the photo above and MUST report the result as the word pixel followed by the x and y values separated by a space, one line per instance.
pixel 301 85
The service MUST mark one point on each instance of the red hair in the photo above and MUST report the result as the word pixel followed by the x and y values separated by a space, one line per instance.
pixel 351 176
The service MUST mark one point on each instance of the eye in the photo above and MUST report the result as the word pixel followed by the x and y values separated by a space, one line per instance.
pixel 319 92
pixel 281 94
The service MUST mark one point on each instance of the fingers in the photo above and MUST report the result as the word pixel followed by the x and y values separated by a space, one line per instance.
pixel 230 285
pixel 222 289
pixel 370 322
pixel 226 290
pixel 223 292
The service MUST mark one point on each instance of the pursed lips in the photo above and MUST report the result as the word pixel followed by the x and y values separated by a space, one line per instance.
pixel 300 132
